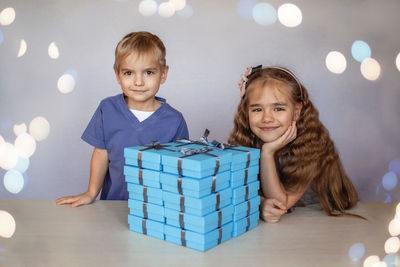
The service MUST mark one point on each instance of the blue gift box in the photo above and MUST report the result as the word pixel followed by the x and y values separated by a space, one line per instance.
pixel 198 241
pixel 146 210
pixel 195 187
pixel 199 224
pixel 245 192
pixel 145 194
pixel 141 176
pixel 146 226
pixel 197 165
pixel 198 206
pixel 148 156
pixel 245 224
pixel 244 157
pixel 244 176
pixel 246 208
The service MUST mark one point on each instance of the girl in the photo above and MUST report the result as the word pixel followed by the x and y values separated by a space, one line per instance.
pixel 299 162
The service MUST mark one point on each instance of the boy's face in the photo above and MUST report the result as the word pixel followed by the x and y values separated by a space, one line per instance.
pixel 140 77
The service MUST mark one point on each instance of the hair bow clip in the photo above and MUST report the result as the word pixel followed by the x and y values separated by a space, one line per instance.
pixel 254 70
pixel 245 77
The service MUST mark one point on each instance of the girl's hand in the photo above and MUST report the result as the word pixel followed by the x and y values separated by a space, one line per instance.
pixel 75 201
pixel 287 137
pixel 272 210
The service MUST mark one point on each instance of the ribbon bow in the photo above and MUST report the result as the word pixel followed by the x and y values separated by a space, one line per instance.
pixel 202 141
pixel 193 151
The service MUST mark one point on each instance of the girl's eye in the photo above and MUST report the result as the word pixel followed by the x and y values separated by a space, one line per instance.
pixel 256 110
pixel 279 109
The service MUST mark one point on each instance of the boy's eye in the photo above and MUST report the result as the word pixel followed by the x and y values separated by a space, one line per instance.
pixel 127 73
pixel 149 72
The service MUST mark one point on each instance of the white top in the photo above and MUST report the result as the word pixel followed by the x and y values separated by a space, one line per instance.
pixel 141 115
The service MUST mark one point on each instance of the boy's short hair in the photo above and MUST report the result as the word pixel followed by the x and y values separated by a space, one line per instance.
pixel 140 42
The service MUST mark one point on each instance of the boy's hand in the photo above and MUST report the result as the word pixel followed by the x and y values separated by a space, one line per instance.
pixel 272 210
pixel 282 141
pixel 75 201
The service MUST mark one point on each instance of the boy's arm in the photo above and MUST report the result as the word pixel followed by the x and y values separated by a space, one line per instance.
pixel 98 170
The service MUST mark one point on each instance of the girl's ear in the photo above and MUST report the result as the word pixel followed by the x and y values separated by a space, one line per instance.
pixel 297 110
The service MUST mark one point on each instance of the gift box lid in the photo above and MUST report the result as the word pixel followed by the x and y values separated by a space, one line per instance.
pixel 140 173
pixel 200 164
pixel 198 203
pixel 203 186
pixel 244 176
pixel 145 224
pixel 145 182
pixel 244 157
pixel 145 208
pixel 199 212
pixel 246 208
pixel 245 192
pixel 144 193
pixel 245 224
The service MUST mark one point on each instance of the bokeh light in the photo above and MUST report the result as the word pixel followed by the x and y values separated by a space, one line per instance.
pixel 1 37
pixel 7 16
pixel 356 251
pixel 245 8
pixel 394 166
pixel 398 210
pixel 290 15
pixel 187 12
pixel 147 7
pixel 166 10
pixel 371 261
pixel 397 61
pixel 264 14
pixel 7 225
pixel 392 245
pixel 392 260
pixel 8 156
pixel 370 69
pixel 25 145
pixel 22 164
pixel 336 62
pixel 66 83
pixel 389 181
pixel 53 51
pixel 360 50
pixel 178 4
pixel 394 227
pixel 22 48
pixel 19 129
pixel 39 128
pixel 13 181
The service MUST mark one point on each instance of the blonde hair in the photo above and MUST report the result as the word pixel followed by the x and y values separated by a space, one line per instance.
pixel 140 43
pixel 312 156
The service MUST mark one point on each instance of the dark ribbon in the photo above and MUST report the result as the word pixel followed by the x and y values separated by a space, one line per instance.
pixel 183 238
pixel 213 184
pixel 248 208
pixel 181 221
pixel 182 203
pixel 195 152
pixel 248 223
pixel 247 193
pixel 202 141
pixel 222 146
pixel 220 236
pixel 141 176
pixel 246 175
pixel 144 229
pixel 219 218
pixel 145 215
pixel 156 145
pixel 179 181
pixel 217 196
pixel 145 194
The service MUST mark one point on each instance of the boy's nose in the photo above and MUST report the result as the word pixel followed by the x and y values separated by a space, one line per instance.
pixel 138 80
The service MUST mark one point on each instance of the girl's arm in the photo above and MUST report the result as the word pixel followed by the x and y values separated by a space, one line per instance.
pixel 98 170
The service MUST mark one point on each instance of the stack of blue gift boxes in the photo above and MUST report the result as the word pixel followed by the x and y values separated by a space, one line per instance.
pixel 192 193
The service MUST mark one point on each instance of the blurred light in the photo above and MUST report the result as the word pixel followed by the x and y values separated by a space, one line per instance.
pixel 19 129
pixel 39 128
pixel 392 245
pixel 360 50
pixel 66 83
pixel 53 51
pixel 394 227
pixel 370 261
pixel 22 164
pixel 7 16
pixel 1 37
pixel 147 7
pixel 13 181
pixel 388 198
pixel 394 166
pixel 398 210
pixel 336 62
pixel 380 264
pixel 178 4
pixel 8 156
pixel 264 14
pixel 73 73
pixel 397 61
pixel 245 8
pixel 290 15
pixel 7 225
pixel 356 251
pixel 166 10
pixel 22 48
pixel 391 260
pixel 389 181
pixel 25 145
pixel 370 69
pixel 187 12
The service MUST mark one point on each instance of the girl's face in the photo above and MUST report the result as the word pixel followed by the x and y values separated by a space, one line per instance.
pixel 271 111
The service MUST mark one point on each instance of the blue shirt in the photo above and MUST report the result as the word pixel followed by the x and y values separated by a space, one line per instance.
pixel 113 127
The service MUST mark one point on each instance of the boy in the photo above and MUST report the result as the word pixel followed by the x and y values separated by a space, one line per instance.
pixel 135 117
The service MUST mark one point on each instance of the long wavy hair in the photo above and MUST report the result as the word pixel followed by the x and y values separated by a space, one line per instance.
pixel 310 157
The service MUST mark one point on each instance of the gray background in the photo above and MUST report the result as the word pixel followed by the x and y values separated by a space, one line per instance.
pixel 206 54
